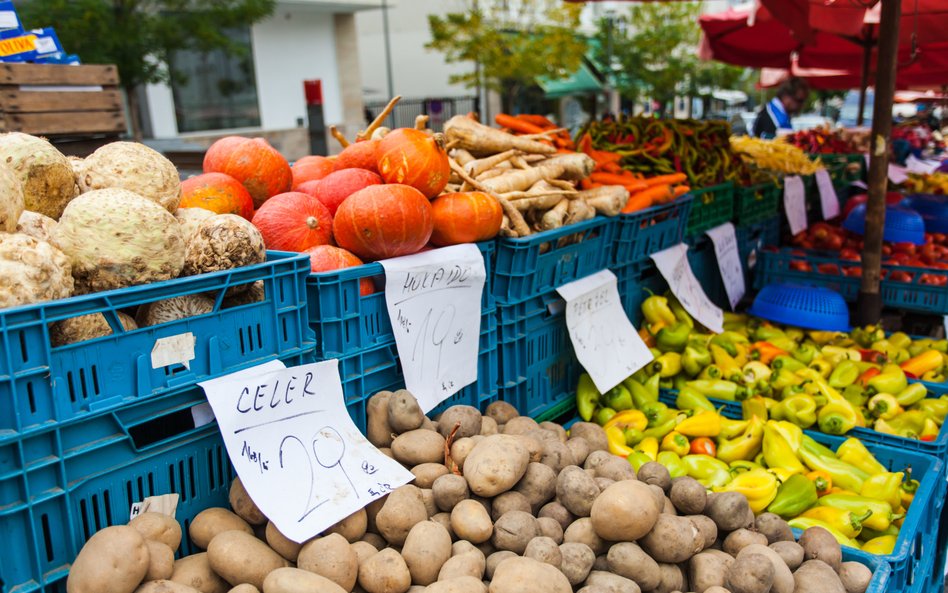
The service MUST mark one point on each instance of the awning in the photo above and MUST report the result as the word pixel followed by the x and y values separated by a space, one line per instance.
pixel 583 81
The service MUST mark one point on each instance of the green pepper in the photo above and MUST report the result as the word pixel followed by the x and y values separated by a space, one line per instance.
pixel 767 333
pixel 587 397
pixel 845 374
pixel 795 495
pixel 680 314
pixel 651 386
pixel 672 338
pixel 663 427
pixel 798 409
pixel 718 388
pixel 672 463
pixel 784 362
pixel 618 398
pixel 843 474
pixel 637 459
pixel 804 353
pixel 702 467
pixel 689 399
pixel 892 379
pixel 778 451
pixel 837 417
pixel 655 309
pixel 694 359
pixel 656 413
pixel 711 372
pixel 783 378
pixel 640 395
pixel 603 415
pixel 754 407
pixel 909 424
pixel 868 533
pixel 937 408
pixel 855 395
pixel 912 394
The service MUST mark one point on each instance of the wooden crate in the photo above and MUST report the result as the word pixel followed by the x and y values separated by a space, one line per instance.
pixel 61 101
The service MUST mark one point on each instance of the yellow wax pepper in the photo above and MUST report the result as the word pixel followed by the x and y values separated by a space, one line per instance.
pixel 616 439
pixel 881 546
pixel 703 424
pixel 676 443
pixel 758 485
pixel 846 522
pixel 649 446
pixel 778 452
pixel 634 419
pixel 884 486
pixel 853 452
pixel 745 445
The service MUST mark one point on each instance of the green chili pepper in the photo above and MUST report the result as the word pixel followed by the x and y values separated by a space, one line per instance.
pixel 795 495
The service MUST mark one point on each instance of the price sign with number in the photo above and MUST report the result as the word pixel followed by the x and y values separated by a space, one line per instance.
pixel 434 302
pixel 675 268
pixel 606 343
pixel 295 448
pixel 829 202
pixel 724 239
pixel 794 203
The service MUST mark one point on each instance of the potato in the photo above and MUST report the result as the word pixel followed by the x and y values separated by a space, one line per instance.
pixel 352 527
pixel 601 563
pixel 672 579
pixel 550 528
pixel 281 544
pixel 160 561
pixel 773 527
pixel 545 550
pixel 595 458
pixel 470 521
pixel 706 527
pixel 404 413
pixel 654 473
pixel 819 544
pixel 458 585
pixel 164 586
pixel 502 412
pixel 615 468
pixel 444 520
pixel 495 465
pixel 659 495
pixel 238 557
pixel 427 497
pixel 470 564
pixel 426 549
pixel 750 573
pixel 557 429
pixel 461 448
pixel 245 588
pixel 783 577
pixel 716 590
pixel 708 569
pixel 494 559
pixel 816 576
pixel 520 425
pixel 582 531
pixel 538 484
pixel 114 560
pixel 556 455
pixel 576 561
pixel 669 509
pixel 402 509
pixel 509 501
pixel 375 540
pixel 625 511
pixel 210 522
pixel 594 435
pixel 448 490
pixel 790 552
pixel 426 473
pixel 576 490
pixel 740 539
pixel 158 527
pixel 466 418
pixel 611 582
pixel 727 509
pixel 385 572
pixel 556 511
pixel 418 446
pixel 296 580
pixel 195 571
pixel 854 576
pixel 519 575
pixel 628 560
pixel 243 505
pixel 688 495
pixel 672 539
pixel 514 530
pixel 332 557
pixel 579 447
pixel 378 430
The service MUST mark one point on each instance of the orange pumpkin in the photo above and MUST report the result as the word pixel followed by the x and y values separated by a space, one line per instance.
pixel 252 162
pixel 293 221
pixel 383 221
pixel 358 155
pixel 218 193
pixel 414 158
pixel 465 217
pixel 310 168
pixel 339 185
pixel 325 258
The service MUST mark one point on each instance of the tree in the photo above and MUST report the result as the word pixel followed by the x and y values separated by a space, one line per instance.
pixel 139 36
pixel 512 43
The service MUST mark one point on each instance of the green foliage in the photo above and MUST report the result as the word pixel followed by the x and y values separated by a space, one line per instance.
pixel 514 43
pixel 138 35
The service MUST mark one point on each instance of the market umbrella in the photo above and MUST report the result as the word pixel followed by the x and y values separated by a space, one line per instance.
pixel 929 71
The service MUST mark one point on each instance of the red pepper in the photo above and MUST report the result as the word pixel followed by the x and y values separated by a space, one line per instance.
pixel 703 446
pixel 866 375
pixel 873 356
pixel 927 437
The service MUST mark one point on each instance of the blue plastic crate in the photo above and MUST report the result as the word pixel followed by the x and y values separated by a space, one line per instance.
pixel 640 234
pixel 635 282
pixel 345 322
pixel 710 207
pixel 366 372
pixel 41 385
pixel 526 267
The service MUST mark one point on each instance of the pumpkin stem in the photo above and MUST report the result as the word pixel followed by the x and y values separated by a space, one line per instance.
pixel 311 222
pixel 421 122
pixel 366 133
pixel 440 140
pixel 338 136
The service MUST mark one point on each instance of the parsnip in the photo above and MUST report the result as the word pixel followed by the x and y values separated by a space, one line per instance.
pixel 483 140
pixel 553 219
pixel 523 178
pixel 608 200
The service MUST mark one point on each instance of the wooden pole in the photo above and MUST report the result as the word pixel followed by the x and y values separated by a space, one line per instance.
pixel 870 300
pixel 864 82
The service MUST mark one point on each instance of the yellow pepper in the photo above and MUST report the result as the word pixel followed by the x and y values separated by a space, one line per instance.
pixel 804 523
pixel 923 363
pixel 881 546
pixel 853 452
pixel 844 521
pixel 744 446
pixel 821 366
pixel 634 419
pixel 885 406
pixel 758 485
pixel 782 473
pixel 616 439
pixel 703 424
pixel 675 442
pixel 649 446
pixel 884 486
pixel 778 452
pixel 732 428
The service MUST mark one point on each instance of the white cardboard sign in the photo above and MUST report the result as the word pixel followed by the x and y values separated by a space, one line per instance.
pixel 794 203
pixel 605 341
pixel 829 201
pixel 897 174
pixel 178 349
pixel 675 268
pixel 434 302
pixel 295 448
pixel 724 238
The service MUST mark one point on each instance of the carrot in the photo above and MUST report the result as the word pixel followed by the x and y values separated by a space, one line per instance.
pixel 681 190
pixel 537 120
pixel 612 178
pixel 609 168
pixel 657 194
pixel 516 124
pixel 636 202
pixel 672 179
pixel 635 186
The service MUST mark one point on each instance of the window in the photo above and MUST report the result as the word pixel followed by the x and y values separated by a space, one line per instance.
pixel 216 90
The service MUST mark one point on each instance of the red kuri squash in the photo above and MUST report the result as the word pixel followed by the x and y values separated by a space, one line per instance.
pixel 383 221
pixel 252 162
pixel 293 221
pixel 333 189
pixel 218 193
pixel 465 217
pixel 325 258
pixel 358 155
pixel 414 158
pixel 310 168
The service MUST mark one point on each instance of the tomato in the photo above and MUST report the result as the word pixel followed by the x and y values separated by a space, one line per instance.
pixel 852 271
pixel 828 269
pixel 834 242
pixel 800 266
pixel 703 446
pixel 900 276
pixel 909 248
pixel 850 255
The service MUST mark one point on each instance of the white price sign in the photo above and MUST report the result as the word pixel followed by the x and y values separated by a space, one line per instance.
pixel 794 203
pixel 724 239
pixel 434 302
pixel 675 268
pixel 295 448
pixel 829 201
pixel 606 343
pixel 897 174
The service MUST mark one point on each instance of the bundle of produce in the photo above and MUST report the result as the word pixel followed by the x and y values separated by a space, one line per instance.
pixel 821 141
pixel 653 147
pixel 933 183
pixel 828 381
pixel 779 469
pixel 774 155
pixel 499 504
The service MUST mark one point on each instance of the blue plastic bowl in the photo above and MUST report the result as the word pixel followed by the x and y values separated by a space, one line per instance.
pixel 809 307
pixel 901 224
pixel 933 208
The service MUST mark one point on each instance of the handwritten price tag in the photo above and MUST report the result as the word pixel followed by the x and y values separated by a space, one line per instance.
pixel 675 268
pixel 829 202
pixel 295 448
pixel 434 302
pixel 606 343
pixel 724 239
pixel 897 174
pixel 794 203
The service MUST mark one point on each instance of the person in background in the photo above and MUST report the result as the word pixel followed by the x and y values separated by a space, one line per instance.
pixel 790 99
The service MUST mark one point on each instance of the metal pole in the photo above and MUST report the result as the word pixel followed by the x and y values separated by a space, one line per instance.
pixel 608 77
pixel 869 310
pixel 388 55
pixel 866 59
